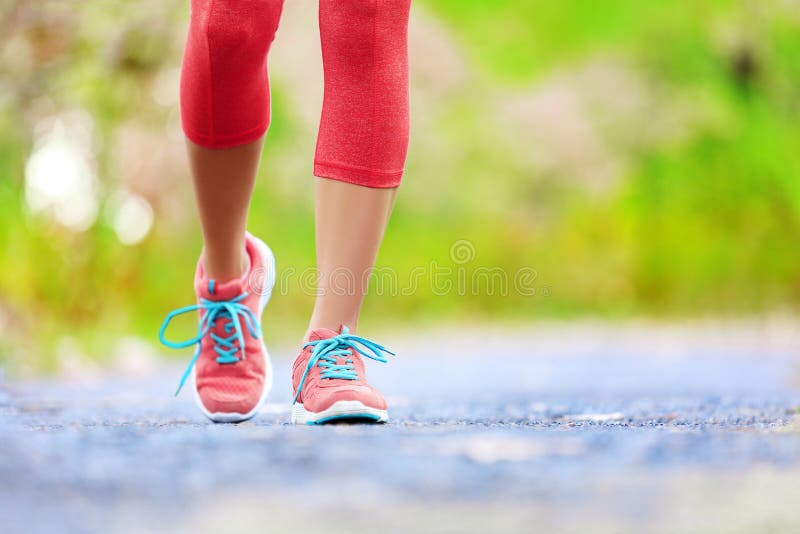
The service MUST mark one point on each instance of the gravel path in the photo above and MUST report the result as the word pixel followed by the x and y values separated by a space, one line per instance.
pixel 490 435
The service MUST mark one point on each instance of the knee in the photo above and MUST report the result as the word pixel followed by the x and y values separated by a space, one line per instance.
pixel 362 21
pixel 233 27
pixel 396 12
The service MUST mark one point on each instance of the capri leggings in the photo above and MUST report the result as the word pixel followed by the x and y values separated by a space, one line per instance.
pixel 363 132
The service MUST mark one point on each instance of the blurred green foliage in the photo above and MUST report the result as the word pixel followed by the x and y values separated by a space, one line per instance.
pixel 642 157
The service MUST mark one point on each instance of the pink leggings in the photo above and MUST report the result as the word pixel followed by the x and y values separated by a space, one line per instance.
pixel 363 133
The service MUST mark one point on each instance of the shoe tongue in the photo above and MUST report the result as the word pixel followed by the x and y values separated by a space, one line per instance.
pixel 322 333
pixel 211 289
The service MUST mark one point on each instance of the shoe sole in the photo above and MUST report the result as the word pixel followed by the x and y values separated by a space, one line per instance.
pixel 269 284
pixel 339 411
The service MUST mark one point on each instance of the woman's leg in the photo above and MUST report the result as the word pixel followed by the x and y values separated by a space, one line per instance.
pixel 225 112
pixel 361 148
pixel 223 184
pixel 350 224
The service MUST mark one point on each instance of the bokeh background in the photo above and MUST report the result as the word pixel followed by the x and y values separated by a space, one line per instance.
pixel 643 158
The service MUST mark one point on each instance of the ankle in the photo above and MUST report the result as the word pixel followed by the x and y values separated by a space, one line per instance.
pixel 351 325
pixel 224 267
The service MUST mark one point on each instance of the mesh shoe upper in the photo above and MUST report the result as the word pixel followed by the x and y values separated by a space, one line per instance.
pixel 321 386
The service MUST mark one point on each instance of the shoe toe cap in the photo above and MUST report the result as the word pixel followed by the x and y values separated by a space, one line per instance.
pixel 230 398
pixel 367 395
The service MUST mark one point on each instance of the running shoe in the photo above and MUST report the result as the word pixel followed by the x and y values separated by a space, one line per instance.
pixel 231 366
pixel 329 382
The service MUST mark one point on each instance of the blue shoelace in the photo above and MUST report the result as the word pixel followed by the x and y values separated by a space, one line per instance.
pixel 225 347
pixel 327 352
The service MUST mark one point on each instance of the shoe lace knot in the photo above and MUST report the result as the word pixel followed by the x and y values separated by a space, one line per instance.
pixel 327 353
pixel 224 345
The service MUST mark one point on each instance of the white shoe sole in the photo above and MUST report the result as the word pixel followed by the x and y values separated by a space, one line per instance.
pixel 269 283
pixel 339 411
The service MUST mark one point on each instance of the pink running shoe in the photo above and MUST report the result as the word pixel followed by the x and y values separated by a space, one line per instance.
pixel 232 368
pixel 329 383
